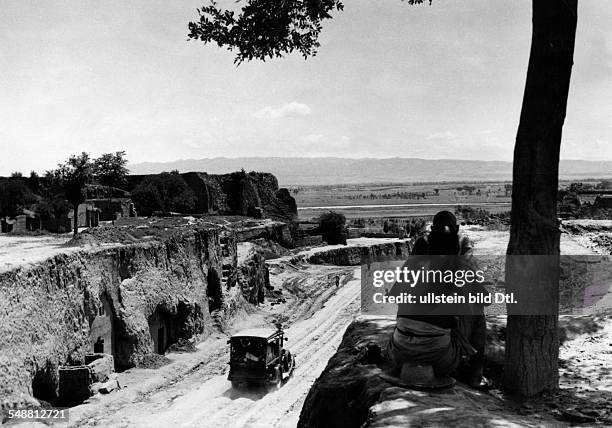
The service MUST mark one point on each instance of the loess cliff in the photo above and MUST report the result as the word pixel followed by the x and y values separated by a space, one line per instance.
pixel 155 285
pixel 253 194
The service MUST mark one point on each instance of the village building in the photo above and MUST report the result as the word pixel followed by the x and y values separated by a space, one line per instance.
pixel 26 222
pixel 88 215
pixel 603 201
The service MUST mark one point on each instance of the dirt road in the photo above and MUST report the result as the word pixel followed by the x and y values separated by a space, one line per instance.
pixel 203 397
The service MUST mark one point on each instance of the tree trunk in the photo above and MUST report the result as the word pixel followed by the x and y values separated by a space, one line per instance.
pixel 110 205
pixel 532 341
pixel 75 220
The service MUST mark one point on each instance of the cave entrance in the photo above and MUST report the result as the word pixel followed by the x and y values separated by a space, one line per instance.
pixel 213 290
pixel 102 328
pixel 99 346
pixel 160 330
pixel 161 338
pixel 44 384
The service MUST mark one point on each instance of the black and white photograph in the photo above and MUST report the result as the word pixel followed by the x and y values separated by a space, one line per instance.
pixel 305 213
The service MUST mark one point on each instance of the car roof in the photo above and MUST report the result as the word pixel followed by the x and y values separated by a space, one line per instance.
pixel 263 333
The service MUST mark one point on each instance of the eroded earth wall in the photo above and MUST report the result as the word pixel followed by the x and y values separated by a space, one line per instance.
pixel 353 255
pixel 254 194
pixel 148 294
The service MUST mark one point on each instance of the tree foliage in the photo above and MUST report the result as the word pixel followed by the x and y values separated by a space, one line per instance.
pixel 266 28
pixel 14 197
pixel 110 169
pixel 62 188
pixel 166 192
pixel 51 210
pixel 72 177
pixel 332 227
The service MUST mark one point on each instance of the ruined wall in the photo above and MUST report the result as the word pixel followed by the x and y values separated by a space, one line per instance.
pixel 47 310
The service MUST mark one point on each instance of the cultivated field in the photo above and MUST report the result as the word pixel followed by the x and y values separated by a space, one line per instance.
pixel 399 200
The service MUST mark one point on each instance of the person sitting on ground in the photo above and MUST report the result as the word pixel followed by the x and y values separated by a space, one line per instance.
pixel 451 344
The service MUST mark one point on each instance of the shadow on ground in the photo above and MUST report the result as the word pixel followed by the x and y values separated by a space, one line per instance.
pixel 350 392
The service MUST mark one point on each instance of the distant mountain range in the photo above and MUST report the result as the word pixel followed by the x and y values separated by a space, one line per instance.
pixel 330 170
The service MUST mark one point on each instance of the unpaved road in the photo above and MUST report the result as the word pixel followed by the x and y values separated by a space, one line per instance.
pixel 314 341
pixel 203 397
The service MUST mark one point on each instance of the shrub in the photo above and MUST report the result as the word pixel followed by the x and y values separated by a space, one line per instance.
pixel 332 226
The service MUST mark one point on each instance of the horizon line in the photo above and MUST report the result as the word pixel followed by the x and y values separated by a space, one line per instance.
pixel 353 158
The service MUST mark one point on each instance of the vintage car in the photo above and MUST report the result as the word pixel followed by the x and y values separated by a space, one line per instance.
pixel 257 356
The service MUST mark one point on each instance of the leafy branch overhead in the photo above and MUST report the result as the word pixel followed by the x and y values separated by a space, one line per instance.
pixel 266 28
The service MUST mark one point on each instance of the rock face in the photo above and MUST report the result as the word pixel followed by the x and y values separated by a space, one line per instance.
pixel 349 385
pixel 254 194
pixel 275 231
pixel 125 300
pixel 253 274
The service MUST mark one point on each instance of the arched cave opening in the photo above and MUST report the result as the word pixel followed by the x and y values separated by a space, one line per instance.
pixel 161 330
pixel 44 384
pixel 102 328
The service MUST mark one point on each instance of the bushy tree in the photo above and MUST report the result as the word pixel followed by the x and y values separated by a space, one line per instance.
pixel 14 197
pixel 34 182
pixel 110 169
pixel 332 227
pixel 575 187
pixel 166 192
pixel 72 177
pixel 52 209
pixel 146 197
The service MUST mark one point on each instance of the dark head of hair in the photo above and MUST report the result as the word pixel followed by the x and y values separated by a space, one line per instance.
pixel 443 237
pixel 445 221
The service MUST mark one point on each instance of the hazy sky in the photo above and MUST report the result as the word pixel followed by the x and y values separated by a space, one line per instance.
pixel 440 81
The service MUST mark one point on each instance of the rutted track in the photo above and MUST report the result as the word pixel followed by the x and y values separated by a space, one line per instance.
pixel 204 398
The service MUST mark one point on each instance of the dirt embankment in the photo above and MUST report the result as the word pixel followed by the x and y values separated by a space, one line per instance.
pixel 356 251
pixel 160 284
pixel 594 234
pixel 350 393
pixel 253 275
